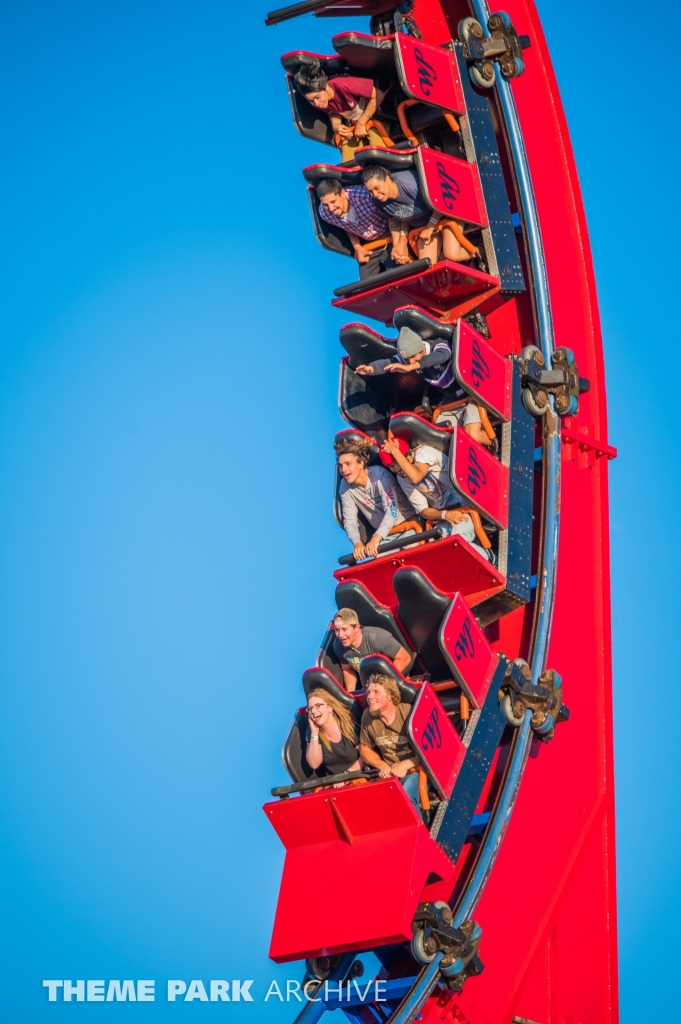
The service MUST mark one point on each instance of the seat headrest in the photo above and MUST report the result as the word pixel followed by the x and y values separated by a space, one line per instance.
pixel 377 663
pixel 415 430
pixel 331 64
pixel 352 594
pixel 318 172
pixel 413 587
pixel 427 326
pixel 366 53
pixel 364 345
pixel 422 608
pixel 321 679
pixel 392 159
pixel 358 435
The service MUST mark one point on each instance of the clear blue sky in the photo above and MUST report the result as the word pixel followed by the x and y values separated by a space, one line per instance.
pixel 169 364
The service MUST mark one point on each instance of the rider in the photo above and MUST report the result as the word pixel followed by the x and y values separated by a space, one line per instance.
pixel 332 736
pixel 353 210
pixel 434 363
pixel 399 194
pixel 384 742
pixel 423 475
pixel 350 103
pixel 354 642
pixel 370 490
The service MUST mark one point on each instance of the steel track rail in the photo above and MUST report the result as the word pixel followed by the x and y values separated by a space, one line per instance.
pixel 548 548
pixel 415 999
pixel 550 521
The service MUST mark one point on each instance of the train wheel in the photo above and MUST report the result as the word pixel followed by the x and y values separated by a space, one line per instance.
pixel 564 355
pixel 465 29
pixel 499 19
pixel 531 403
pixel 483 77
pixel 418 948
pixel 453 970
pixel 320 967
pixel 532 352
pixel 545 728
pixel 508 712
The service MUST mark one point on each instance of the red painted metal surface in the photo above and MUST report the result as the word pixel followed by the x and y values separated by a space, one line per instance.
pixel 429 74
pixel 480 477
pixel 449 564
pixel 448 290
pixel 371 829
pixel 482 371
pixel 563 824
pixel 452 186
pixel 436 740
pixel 468 651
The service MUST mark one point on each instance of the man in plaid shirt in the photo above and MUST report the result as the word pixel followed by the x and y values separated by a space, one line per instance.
pixel 353 210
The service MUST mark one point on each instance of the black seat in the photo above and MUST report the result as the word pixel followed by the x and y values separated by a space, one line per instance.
pixel 422 609
pixel 364 345
pixel 312 124
pixel 364 405
pixel 415 430
pixel 321 172
pixel 369 612
pixel 366 53
pixel 392 159
pixel 366 401
pixel 293 753
pixel 328 235
pixel 358 435
pixel 331 65
pixel 376 663
pixel 327 658
pixel 320 679
pixel 428 327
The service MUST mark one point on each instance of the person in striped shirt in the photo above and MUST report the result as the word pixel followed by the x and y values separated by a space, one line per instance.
pixel 353 210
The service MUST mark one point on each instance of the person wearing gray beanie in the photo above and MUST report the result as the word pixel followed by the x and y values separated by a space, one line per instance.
pixel 412 353
pixel 433 362
pixel 409 343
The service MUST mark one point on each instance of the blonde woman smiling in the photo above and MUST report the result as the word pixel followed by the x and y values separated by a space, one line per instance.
pixel 332 736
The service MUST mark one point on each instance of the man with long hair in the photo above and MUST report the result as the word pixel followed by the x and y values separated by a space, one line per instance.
pixel 384 742
pixel 399 194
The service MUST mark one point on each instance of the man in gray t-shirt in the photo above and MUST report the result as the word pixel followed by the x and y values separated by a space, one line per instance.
pixel 354 642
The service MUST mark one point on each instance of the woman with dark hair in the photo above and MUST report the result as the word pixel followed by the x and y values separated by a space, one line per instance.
pixel 350 103
pixel 399 195
pixel 332 736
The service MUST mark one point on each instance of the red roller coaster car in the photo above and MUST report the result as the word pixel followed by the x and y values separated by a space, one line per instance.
pixel 477 902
